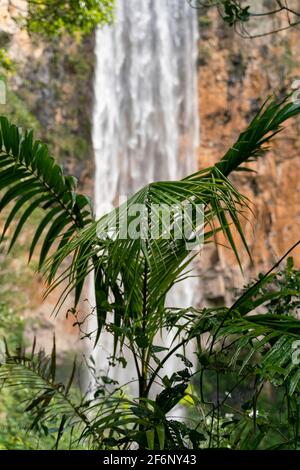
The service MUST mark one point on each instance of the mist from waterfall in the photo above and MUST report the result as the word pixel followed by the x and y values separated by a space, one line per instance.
pixel 145 121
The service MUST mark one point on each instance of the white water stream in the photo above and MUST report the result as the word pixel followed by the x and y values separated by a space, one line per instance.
pixel 145 121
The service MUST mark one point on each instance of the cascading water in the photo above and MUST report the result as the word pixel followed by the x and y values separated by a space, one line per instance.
pixel 145 122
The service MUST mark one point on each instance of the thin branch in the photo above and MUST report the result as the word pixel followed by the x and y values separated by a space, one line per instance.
pixel 197 4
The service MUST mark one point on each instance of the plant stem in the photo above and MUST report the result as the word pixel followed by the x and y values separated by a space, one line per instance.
pixel 144 366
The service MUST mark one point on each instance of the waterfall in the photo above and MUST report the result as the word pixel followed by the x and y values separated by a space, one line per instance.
pixel 145 121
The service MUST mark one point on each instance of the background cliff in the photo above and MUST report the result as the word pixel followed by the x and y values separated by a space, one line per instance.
pixel 236 75
pixel 48 88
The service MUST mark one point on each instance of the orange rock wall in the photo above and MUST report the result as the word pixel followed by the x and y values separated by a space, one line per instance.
pixel 235 77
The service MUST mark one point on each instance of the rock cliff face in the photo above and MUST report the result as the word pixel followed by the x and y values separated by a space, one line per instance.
pixel 52 82
pixel 49 88
pixel 235 76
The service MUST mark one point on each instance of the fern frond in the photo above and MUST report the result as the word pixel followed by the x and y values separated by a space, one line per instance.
pixel 49 400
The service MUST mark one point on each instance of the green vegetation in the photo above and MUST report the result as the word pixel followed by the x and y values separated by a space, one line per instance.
pixel 16 431
pixel 238 14
pixel 5 61
pixel 243 392
pixel 251 344
pixel 55 17
pixel 253 384
pixel 17 109
pixel 13 423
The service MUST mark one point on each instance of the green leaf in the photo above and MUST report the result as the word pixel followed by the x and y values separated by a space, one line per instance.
pixel 20 202
pixel 45 221
pixel 160 429
pixel 36 203
pixel 150 434
pixel 18 190
pixel 57 226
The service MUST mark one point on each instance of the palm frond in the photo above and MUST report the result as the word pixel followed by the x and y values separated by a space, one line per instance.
pixel 252 143
pixel 33 180
pixel 123 262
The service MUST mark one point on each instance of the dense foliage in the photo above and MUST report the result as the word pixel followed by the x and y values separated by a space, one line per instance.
pixel 54 17
pixel 252 342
